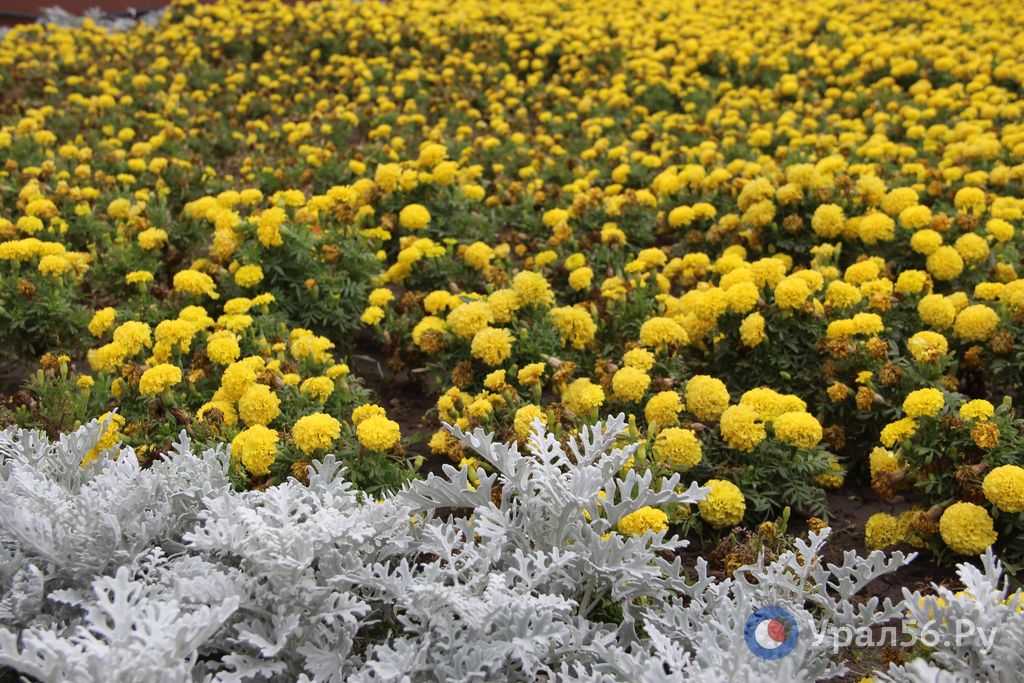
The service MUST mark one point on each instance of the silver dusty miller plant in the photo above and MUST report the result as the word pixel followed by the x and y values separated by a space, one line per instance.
pixel 969 635
pixel 115 573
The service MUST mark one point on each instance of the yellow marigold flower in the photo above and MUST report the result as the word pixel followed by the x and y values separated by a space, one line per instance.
pixel 152 239
pixel 970 199
pixel 102 320
pixel 338 371
pixel 378 433
pixel 583 397
pixel 85 382
pixel 256 447
pixel 678 447
pixel 107 357
pixel 239 376
pixel 861 272
pixel 425 334
pixel 492 345
pixel 975 323
pixel 194 282
pixel 883 461
pixel 977 409
pixel 663 409
pixel 742 296
pixel 581 278
pixel 158 379
pixel 925 241
pixel 967 528
pixel 972 247
pixel 898 431
pixel 54 265
pixel 108 439
pixel 706 397
pixel 531 288
pixel 365 411
pixel 662 333
pixel 924 403
pixel 575 325
pixel 915 217
pixel 927 346
pixel 911 282
pixel 640 521
pixel 318 388
pixel 259 405
pixel 828 221
pixel 630 384
pixel 381 296
pixel 724 506
pixel 372 315
pixel 936 311
pixel 414 217
pixel 741 428
pixel 798 429
pixel 876 227
pixel 523 421
pixel 467 319
pixel 269 223
pixel 791 293
pixel 898 200
pixel 752 330
pixel 226 410
pixel 882 531
pixel 495 381
pixel 316 432
pixel 138 277
pixel 945 263
pixel 248 276
pixel 681 217
pixel 530 374
pixel 1004 487
pixel 770 403
pixel 222 348
pixel 999 230
pixel 478 255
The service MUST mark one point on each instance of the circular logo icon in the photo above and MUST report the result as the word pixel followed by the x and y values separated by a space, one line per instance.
pixel 771 632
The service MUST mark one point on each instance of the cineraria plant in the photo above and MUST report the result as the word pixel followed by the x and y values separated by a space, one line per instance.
pixel 538 569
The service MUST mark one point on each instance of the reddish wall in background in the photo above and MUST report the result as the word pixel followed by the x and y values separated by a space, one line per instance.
pixel 17 11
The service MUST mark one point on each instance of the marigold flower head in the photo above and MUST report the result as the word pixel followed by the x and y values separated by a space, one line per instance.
pixel 318 388
pixel 524 418
pixel 414 217
pixel 662 333
pixel 977 409
pixel 378 433
pixel 967 528
pixel 724 506
pixel 630 384
pixel 259 405
pixel 975 323
pixel 256 447
pixel 927 346
pixel 706 397
pixel 923 403
pixel 583 396
pixel 640 521
pixel 158 379
pixel 315 432
pixel 678 447
pixel 798 429
pixel 882 531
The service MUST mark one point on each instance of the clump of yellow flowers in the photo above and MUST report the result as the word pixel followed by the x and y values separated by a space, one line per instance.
pixel 787 246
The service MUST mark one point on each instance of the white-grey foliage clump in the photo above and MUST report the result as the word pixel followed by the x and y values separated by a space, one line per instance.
pixel 969 635
pixel 113 572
